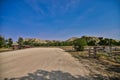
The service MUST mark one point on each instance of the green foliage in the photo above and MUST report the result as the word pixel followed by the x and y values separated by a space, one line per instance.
pixel 35 44
pixel 20 41
pixel 79 44
pixel 105 41
pixel 118 43
pixel 26 43
pixel 102 55
pixel 2 41
pixel 5 43
pixel 92 43
pixel 115 43
pixel 10 42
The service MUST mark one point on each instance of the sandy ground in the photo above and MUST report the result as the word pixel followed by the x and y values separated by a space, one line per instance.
pixel 41 64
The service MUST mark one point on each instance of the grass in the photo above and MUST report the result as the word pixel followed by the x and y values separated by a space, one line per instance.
pixel 104 64
pixel 5 49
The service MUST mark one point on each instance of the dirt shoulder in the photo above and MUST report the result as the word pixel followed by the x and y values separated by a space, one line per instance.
pixel 100 69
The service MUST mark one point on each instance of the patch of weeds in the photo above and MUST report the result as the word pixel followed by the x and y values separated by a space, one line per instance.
pixel 102 55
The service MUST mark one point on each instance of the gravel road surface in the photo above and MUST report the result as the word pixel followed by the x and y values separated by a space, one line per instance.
pixel 41 64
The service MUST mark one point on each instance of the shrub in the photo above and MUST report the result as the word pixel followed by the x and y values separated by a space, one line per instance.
pixel 79 44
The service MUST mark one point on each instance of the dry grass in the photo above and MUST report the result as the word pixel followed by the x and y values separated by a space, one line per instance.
pixel 101 65
pixel 5 49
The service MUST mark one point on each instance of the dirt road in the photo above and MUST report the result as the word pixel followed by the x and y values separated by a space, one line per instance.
pixel 41 64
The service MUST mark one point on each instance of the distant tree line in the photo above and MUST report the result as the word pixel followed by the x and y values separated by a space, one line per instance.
pixel 78 43
pixel 93 41
pixel 7 43
pixel 55 43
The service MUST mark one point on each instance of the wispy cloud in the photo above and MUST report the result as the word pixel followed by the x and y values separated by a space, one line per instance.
pixel 71 4
pixel 53 7
pixel 82 16
pixel 86 13
pixel 34 4
pixel 64 6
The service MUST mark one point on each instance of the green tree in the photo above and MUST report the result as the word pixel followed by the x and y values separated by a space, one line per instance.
pixel 118 43
pixel 79 44
pixel 26 43
pixel 92 43
pixel 2 41
pixel 20 41
pixel 10 42
pixel 6 44
pixel 114 42
pixel 104 42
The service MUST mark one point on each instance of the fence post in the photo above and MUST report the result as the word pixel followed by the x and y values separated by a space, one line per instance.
pixel 95 50
pixel 89 51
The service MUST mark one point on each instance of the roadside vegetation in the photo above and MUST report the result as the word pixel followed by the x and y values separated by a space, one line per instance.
pixel 104 66
pixel 5 44
pixel 77 43
pixel 99 55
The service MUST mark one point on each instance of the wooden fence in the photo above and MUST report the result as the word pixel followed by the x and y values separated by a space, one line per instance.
pixel 103 49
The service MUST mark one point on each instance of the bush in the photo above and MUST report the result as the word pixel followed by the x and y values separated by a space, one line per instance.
pixel 79 44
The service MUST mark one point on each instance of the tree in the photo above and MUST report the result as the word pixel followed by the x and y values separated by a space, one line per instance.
pixel 26 43
pixel 92 43
pixel 104 42
pixel 10 42
pixel 118 43
pixel 114 42
pixel 20 41
pixel 6 44
pixel 2 41
pixel 79 44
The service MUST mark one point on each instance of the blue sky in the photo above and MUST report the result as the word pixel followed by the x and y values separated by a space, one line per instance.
pixel 59 19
